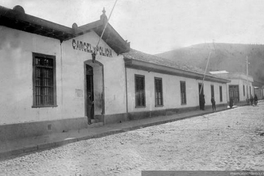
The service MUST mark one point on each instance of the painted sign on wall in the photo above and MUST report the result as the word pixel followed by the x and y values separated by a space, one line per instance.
pixel 87 47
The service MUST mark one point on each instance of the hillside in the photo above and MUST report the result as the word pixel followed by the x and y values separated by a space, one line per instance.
pixel 230 57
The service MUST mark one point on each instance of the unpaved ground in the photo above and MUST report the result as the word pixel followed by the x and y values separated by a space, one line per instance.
pixel 229 140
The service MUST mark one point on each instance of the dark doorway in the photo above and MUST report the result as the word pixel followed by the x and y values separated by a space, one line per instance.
pixel 234 93
pixel 201 96
pixel 89 87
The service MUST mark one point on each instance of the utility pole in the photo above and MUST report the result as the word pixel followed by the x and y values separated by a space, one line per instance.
pixel 205 71
pixel 106 23
pixel 208 59
pixel 94 53
pixel 247 76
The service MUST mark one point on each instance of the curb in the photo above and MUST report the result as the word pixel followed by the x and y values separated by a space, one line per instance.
pixel 41 147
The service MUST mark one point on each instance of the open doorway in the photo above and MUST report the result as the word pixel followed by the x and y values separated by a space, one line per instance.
pixel 90 89
pixel 94 86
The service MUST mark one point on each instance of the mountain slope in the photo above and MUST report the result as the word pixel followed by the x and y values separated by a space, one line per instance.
pixel 230 57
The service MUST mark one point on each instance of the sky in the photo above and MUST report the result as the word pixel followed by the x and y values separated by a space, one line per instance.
pixel 156 26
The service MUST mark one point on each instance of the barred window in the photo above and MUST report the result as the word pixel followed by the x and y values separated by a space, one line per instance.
pixel 140 90
pixel 158 92
pixel 44 83
pixel 183 92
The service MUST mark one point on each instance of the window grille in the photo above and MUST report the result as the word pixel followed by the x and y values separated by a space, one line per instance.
pixel 183 92
pixel 158 92
pixel 44 83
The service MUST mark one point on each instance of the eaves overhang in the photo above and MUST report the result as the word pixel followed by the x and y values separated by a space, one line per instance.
pixel 110 35
pixel 16 18
pixel 151 67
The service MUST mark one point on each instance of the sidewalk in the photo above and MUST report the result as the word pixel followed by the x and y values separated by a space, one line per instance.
pixel 27 145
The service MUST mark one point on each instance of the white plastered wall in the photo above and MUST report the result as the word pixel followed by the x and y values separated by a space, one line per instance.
pixel 241 83
pixel 171 91
pixel 16 91
pixel 113 90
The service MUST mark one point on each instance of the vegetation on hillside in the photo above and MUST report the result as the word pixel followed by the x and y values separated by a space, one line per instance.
pixel 229 57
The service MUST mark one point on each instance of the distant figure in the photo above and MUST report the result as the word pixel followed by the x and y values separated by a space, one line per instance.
pixel 213 104
pixel 247 100
pixel 255 100
pixel 231 102
pixel 89 109
pixel 202 102
pixel 251 99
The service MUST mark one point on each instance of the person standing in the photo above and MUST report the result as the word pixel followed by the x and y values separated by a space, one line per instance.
pixel 213 104
pixel 202 101
pixel 231 102
pixel 89 109
pixel 251 100
pixel 255 100
pixel 247 100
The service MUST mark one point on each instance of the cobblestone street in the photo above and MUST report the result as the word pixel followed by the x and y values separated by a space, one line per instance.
pixel 227 140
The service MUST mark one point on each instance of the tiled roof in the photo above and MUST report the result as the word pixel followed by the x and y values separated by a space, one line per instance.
pixel 138 55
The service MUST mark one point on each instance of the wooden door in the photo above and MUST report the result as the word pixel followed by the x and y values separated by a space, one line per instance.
pixel 234 93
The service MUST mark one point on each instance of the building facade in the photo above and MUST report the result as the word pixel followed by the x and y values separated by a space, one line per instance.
pixel 259 92
pixel 240 87
pixel 156 86
pixel 48 72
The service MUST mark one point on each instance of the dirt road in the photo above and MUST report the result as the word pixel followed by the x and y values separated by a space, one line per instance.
pixel 228 140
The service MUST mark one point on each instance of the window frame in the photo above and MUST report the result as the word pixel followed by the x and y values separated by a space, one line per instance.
pixel 183 92
pixel 142 105
pixel 34 67
pixel 247 91
pixel 221 93
pixel 156 81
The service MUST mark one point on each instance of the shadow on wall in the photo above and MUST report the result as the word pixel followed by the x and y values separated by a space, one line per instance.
pixel 9 43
